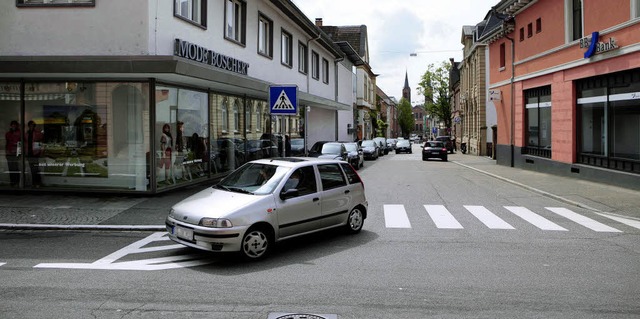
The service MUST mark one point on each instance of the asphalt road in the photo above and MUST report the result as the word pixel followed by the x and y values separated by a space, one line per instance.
pixel 441 241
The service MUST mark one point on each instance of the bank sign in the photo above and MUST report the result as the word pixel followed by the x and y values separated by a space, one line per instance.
pixel 200 54
pixel 594 46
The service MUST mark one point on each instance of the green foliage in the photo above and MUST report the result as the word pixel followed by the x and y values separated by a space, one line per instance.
pixel 382 128
pixel 405 117
pixel 434 85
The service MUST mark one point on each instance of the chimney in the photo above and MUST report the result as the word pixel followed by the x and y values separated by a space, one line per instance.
pixel 318 22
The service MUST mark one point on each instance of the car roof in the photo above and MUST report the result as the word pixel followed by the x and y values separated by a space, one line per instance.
pixel 295 161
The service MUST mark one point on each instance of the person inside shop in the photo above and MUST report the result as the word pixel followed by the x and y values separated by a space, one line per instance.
pixel 287 146
pixel 166 146
pixel 180 151
pixel 12 152
pixel 33 139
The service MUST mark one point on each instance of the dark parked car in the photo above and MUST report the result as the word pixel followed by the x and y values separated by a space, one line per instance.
pixel 355 155
pixel 332 150
pixel 447 142
pixel 383 145
pixel 370 149
pixel 391 143
pixel 316 149
pixel 434 149
pixel 403 146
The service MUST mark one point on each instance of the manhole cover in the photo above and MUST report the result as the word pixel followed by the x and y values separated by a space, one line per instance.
pixel 300 316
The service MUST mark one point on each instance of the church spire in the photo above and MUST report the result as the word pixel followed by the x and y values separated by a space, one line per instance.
pixel 406 91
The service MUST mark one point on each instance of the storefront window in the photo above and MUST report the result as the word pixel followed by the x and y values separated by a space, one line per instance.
pixel 182 136
pixel 82 135
pixel 538 119
pixel 609 113
pixel 12 123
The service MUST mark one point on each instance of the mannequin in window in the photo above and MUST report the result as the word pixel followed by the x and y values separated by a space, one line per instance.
pixel 12 152
pixel 166 146
pixel 33 139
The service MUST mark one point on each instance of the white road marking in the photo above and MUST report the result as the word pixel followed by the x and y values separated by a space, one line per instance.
pixel 626 221
pixel 395 216
pixel 582 220
pixel 441 217
pixel 2 264
pixel 534 219
pixel 110 262
pixel 488 218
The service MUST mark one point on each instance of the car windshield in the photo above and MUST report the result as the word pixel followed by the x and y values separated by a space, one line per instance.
pixel 442 138
pixel 351 147
pixel 253 178
pixel 403 143
pixel 368 143
pixel 297 142
pixel 331 149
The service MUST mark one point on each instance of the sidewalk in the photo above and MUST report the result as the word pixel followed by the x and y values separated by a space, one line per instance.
pixel 59 211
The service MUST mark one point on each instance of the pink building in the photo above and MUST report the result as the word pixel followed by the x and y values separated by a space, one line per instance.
pixel 564 77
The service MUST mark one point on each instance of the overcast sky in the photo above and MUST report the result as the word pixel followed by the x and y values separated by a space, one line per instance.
pixel 430 28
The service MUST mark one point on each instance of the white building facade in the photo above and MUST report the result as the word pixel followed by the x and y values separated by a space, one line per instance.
pixel 146 96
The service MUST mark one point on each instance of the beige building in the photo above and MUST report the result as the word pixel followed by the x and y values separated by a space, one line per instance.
pixel 473 91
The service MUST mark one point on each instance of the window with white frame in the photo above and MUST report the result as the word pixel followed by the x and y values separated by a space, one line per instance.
pixel 259 117
pixel 247 117
pixel 54 3
pixel 287 48
pixel 315 65
pixel 303 59
pixel 265 36
pixel 235 20
pixel 325 70
pixel 236 116
pixel 193 11
pixel 225 115
pixel 573 19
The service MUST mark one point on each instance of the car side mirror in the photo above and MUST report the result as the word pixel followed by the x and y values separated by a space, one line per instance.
pixel 289 193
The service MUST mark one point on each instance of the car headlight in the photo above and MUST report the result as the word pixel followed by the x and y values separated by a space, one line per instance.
pixel 216 222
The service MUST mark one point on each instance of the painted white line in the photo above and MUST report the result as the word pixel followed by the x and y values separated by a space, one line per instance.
pixel 630 222
pixel 2 264
pixel 110 262
pixel 488 218
pixel 395 216
pixel 441 217
pixel 534 219
pixel 582 220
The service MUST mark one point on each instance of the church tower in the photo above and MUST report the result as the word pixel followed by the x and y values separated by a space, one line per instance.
pixel 406 91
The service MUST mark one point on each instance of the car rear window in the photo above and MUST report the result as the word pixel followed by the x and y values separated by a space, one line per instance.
pixel 434 144
pixel 352 176
pixel 331 176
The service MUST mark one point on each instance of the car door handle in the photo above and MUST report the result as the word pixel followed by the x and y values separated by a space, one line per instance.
pixel 347 191
pixel 316 199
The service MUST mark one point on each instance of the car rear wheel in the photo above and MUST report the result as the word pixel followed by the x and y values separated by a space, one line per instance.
pixel 444 158
pixel 256 244
pixel 355 221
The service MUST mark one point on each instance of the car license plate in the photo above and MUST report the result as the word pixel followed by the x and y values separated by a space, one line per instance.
pixel 435 153
pixel 184 233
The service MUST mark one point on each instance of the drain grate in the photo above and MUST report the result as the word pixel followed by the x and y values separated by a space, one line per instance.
pixel 285 315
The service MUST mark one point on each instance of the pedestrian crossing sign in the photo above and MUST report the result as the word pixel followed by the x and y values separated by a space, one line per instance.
pixel 283 99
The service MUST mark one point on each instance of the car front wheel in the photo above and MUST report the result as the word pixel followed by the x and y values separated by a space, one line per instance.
pixel 355 221
pixel 256 244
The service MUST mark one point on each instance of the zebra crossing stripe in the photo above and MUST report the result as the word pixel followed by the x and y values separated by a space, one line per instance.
pixel 582 220
pixel 488 218
pixel 626 221
pixel 395 216
pixel 441 217
pixel 534 219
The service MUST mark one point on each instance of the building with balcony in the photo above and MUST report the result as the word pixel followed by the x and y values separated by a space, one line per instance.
pixel 568 77
pixel 160 94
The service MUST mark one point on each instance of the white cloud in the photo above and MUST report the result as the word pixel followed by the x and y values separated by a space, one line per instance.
pixel 432 28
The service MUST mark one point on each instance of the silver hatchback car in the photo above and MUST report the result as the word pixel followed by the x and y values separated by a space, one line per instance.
pixel 269 200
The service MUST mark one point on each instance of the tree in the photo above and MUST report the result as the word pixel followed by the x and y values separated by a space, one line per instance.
pixel 405 117
pixel 434 85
